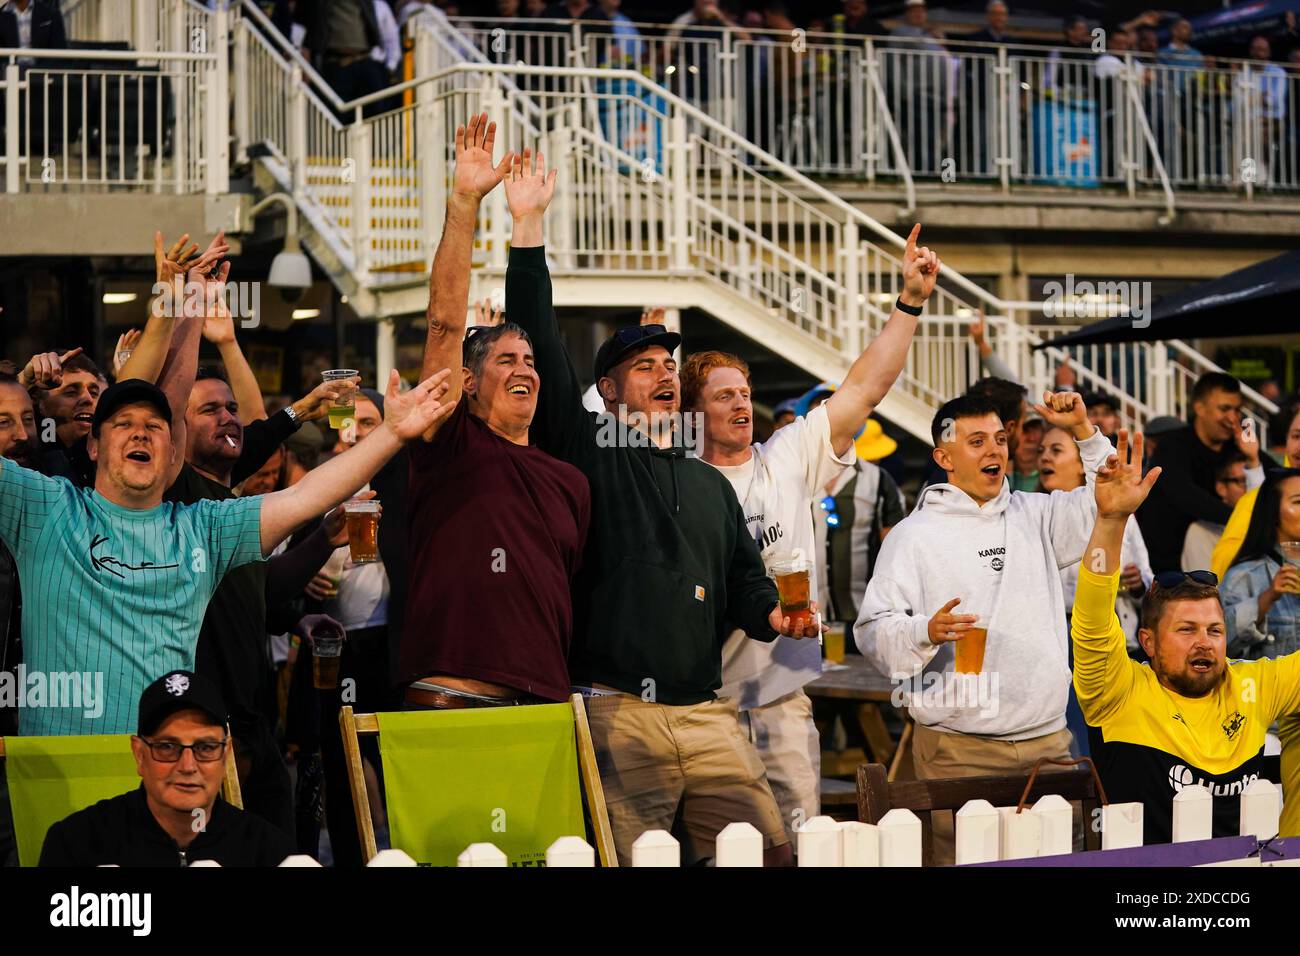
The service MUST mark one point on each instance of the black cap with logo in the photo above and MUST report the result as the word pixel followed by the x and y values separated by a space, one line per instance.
pixel 633 338
pixel 179 690
pixel 130 391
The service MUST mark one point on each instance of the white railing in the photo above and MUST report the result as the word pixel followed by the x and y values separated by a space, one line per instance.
pixel 964 111
pixel 122 124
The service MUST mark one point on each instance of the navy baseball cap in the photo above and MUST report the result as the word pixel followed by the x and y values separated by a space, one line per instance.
pixel 179 690
pixel 631 339
pixel 129 392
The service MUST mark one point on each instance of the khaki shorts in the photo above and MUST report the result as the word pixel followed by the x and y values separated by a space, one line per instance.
pixel 787 742
pixel 688 770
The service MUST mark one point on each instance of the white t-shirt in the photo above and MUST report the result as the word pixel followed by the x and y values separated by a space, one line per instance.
pixel 776 489
pixel 362 600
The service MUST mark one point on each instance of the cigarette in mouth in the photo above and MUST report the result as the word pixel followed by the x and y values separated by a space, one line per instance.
pixel 231 441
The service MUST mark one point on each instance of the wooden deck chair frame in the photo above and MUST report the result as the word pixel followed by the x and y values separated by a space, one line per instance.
pixel 877 795
pixel 353 726
pixel 230 791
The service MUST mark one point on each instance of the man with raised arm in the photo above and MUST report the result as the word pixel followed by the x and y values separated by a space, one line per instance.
pixel 1189 717
pixel 120 580
pixel 978 562
pixel 668 562
pixel 776 483
pixel 489 610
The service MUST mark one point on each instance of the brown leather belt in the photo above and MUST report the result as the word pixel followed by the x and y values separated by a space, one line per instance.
pixel 443 701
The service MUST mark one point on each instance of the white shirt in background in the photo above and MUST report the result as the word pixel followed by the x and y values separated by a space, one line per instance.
pixel 391 52
pixel 1128 609
pixel 776 488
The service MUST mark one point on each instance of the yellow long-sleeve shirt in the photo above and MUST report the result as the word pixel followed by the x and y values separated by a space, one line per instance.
pixel 1149 742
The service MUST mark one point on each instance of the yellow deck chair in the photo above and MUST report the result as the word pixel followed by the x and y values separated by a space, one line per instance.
pixel 502 775
pixel 52 777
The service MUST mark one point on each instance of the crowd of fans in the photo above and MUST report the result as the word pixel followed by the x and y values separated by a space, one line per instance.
pixel 158 525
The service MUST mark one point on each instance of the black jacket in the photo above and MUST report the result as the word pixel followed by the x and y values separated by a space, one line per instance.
pixel 47 27
pixel 123 831
pixel 669 560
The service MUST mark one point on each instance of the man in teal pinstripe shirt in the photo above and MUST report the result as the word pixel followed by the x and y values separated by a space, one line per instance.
pixel 119 581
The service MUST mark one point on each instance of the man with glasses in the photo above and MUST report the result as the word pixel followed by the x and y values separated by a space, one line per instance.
pixel 177 815
pixel 776 483
pixel 1189 717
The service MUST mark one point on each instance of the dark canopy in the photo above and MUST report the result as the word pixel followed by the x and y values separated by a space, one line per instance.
pixel 1263 299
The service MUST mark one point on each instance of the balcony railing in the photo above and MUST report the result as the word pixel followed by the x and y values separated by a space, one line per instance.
pixel 868 107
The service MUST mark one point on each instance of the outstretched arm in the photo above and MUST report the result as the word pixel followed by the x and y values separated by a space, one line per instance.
pixel 407 415
pixel 876 369
pixel 1103 673
pixel 219 329
pixel 474 178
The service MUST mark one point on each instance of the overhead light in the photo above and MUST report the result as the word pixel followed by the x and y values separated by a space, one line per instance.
pixel 884 297
pixel 343 299
pixel 963 312
pixel 290 270
pixel 670 71
pixel 119 298
pixel 306 313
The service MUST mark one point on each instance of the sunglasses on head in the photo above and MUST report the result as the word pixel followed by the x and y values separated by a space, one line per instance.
pixel 635 333
pixel 1171 579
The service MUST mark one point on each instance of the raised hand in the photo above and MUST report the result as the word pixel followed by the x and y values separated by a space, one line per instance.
pixel 485 313
pixel 652 315
pixel 175 261
pixel 1120 485
pixel 528 186
pixel 315 405
pixel 412 413
pixel 1246 439
pixel 475 176
pixel 45 370
pixel 920 270
pixel 1066 410
pixel 126 342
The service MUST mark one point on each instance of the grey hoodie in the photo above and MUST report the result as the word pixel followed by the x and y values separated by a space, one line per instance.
pixel 1004 561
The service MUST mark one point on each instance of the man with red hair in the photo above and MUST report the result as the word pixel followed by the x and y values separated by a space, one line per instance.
pixel 776 483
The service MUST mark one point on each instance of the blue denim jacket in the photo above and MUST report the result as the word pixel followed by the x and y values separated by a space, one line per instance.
pixel 1240 592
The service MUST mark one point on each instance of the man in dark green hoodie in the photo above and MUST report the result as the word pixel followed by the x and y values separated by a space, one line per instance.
pixel 669 568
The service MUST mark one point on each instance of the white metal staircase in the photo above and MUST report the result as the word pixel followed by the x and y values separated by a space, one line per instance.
pixel 659 204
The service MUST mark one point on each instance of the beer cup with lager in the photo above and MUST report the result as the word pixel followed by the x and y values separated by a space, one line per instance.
pixel 970 647
pixel 326 653
pixel 792 586
pixel 363 531
pixel 344 410
pixel 1291 553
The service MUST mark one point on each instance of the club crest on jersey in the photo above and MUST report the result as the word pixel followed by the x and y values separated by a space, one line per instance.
pixel 1233 724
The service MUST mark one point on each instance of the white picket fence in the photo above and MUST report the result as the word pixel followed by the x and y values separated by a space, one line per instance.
pixel 984 834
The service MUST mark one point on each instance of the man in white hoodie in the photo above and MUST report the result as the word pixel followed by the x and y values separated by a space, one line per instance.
pixel 973 542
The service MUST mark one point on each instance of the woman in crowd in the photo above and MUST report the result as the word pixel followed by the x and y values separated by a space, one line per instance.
pixel 1061 469
pixel 1261 591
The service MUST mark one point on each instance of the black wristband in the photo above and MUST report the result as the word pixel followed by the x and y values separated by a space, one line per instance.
pixel 909 309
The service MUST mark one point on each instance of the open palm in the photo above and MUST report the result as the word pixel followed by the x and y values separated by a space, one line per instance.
pixel 475 175
pixel 413 413
pixel 1120 485
pixel 528 188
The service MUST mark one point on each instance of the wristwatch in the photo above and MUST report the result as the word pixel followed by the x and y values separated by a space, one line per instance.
pixel 293 416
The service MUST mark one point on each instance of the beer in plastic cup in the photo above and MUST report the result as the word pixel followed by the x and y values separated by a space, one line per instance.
pixel 833 642
pixel 344 410
pixel 363 531
pixel 792 587
pixel 970 648
pixel 327 651
pixel 1291 552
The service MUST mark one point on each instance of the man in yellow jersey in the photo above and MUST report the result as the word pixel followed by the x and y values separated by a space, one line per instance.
pixel 1191 716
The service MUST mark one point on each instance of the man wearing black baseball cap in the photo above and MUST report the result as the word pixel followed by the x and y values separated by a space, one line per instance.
pixel 668 560
pixel 177 815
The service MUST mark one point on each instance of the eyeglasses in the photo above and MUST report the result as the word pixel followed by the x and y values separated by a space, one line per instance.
pixel 832 515
pixel 1171 579
pixel 169 751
